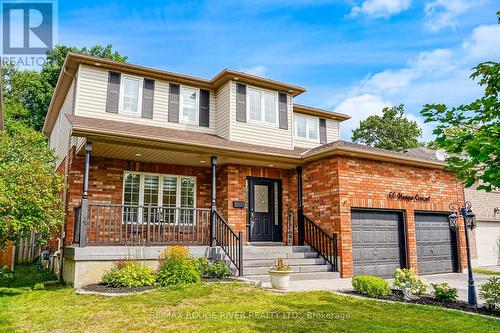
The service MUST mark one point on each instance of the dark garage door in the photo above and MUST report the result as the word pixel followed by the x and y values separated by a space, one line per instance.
pixel 436 244
pixel 376 242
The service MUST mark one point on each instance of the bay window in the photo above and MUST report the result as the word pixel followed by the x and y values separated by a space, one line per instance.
pixel 170 192
pixel 262 106
pixel 306 127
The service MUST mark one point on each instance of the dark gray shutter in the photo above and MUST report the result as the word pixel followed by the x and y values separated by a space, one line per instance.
pixel 322 130
pixel 148 93
pixel 173 103
pixel 283 111
pixel 113 96
pixel 204 108
pixel 241 103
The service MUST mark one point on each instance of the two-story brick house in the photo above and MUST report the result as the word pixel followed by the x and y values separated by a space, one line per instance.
pixel 232 165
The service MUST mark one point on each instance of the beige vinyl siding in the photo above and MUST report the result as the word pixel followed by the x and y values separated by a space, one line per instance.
pixel 332 134
pixel 91 102
pixel 60 136
pixel 259 134
pixel 223 110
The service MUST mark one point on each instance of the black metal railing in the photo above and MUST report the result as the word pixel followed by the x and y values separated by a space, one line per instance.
pixel 230 242
pixel 321 242
pixel 115 224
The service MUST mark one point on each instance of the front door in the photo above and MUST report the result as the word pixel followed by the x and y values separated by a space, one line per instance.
pixel 261 209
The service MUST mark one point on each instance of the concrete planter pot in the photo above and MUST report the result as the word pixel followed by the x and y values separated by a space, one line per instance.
pixel 280 279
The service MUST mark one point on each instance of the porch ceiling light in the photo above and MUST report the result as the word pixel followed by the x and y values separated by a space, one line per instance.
pixel 203 161
pixel 138 155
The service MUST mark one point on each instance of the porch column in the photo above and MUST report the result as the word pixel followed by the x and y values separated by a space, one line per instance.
pixel 213 208
pixel 85 194
pixel 300 212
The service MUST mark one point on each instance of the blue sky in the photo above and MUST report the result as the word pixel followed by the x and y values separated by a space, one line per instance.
pixel 352 56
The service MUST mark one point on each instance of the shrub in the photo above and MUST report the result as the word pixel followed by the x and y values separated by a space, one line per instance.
pixel 490 292
pixel 405 276
pixel 129 275
pixel 39 286
pixel 5 275
pixel 218 270
pixel 201 265
pixel 371 286
pixel 176 268
pixel 444 293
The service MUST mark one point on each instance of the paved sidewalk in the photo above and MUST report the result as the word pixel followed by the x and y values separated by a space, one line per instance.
pixel 456 280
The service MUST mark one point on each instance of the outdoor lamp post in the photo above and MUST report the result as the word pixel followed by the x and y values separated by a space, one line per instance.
pixel 469 223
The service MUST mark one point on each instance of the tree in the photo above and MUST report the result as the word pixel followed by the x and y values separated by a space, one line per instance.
pixel 391 131
pixel 470 134
pixel 30 188
pixel 27 93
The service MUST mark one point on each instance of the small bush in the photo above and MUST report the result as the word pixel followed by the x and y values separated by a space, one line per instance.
pixel 490 292
pixel 176 268
pixel 201 265
pixel 444 293
pixel 371 286
pixel 218 270
pixel 130 275
pixel 5 275
pixel 39 286
pixel 405 276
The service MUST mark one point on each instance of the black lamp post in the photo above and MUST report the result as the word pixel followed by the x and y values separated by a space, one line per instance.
pixel 469 223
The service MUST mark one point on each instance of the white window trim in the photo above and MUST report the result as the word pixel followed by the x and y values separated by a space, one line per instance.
pixel 139 98
pixel 262 120
pixel 317 140
pixel 197 106
pixel 160 190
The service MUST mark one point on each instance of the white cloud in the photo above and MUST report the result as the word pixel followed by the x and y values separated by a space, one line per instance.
pixel 436 76
pixel 359 107
pixel 440 14
pixel 259 70
pixel 380 8
pixel 484 43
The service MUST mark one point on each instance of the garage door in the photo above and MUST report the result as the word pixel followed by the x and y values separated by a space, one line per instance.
pixel 436 247
pixel 487 234
pixel 375 242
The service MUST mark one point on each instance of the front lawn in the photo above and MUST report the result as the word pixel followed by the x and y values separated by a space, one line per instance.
pixel 485 271
pixel 221 307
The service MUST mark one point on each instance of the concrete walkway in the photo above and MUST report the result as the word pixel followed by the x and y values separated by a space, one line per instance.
pixel 456 280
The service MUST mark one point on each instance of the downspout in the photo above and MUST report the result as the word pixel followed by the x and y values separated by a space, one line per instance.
pixel 213 207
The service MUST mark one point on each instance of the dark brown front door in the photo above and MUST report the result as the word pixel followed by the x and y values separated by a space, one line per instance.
pixel 261 209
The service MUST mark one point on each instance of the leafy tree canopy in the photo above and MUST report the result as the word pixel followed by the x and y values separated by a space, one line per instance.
pixel 30 188
pixel 470 133
pixel 391 131
pixel 27 93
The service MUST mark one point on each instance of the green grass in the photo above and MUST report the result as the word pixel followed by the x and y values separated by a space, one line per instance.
pixel 221 307
pixel 485 271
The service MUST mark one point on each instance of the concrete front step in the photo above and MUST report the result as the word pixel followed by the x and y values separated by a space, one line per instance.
pixel 295 269
pixel 274 256
pixel 259 249
pixel 290 261
pixel 297 276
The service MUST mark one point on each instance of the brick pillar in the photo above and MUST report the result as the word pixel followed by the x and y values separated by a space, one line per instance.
pixel 411 240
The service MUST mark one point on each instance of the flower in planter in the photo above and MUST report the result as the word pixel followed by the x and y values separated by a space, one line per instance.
pixel 410 283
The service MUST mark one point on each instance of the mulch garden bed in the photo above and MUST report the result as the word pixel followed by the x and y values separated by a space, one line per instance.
pixel 106 289
pixel 426 299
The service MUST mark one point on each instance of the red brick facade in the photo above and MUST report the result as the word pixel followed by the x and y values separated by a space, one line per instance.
pixel 331 188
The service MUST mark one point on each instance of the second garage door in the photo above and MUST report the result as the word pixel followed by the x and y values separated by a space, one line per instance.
pixel 487 234
pixel 376 242
pixel 436 244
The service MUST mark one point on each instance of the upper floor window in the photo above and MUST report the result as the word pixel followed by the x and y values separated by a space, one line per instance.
pixel 306 127
pixel 262 106
pixel 189 105
pixel 130 94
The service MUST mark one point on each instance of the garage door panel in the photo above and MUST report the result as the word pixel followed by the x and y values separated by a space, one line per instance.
pixel 375 243
pixel 434 244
